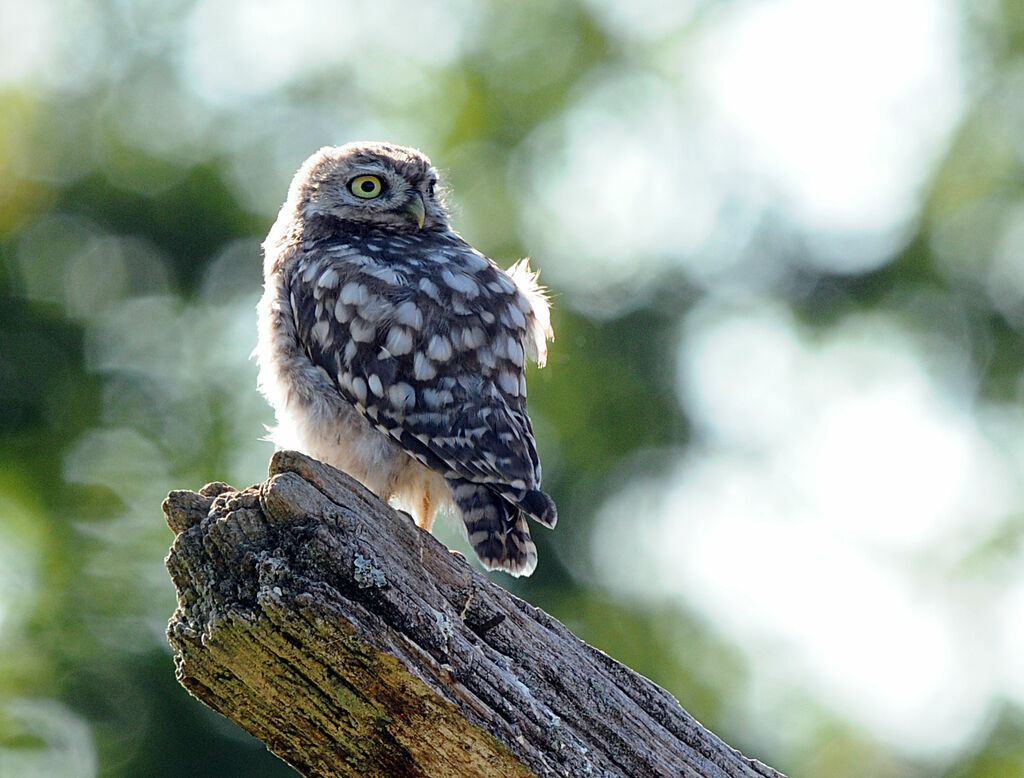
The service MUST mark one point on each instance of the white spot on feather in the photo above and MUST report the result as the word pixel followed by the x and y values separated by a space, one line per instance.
pixel 435 399
pixel 409 314
pixel 422 369
pixel 474 262
pixel 321 332
pixel 487 358
pixel 311 271
pixel 516 316
pixel 460 282
pixel 387 274
pixel 354 293
pixel 508 383
pixel 362 331
pixel 399 341
pixel 429 288
pixel 359 389
pixel 515 351
pixel 402 395
pixel 439 348
pixel 350 351
pixel 472 337
pixel 328 279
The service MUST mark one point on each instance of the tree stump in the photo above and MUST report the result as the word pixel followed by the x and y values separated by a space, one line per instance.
pixel 353 643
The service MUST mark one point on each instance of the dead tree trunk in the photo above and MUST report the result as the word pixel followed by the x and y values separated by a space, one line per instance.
pixel 354 644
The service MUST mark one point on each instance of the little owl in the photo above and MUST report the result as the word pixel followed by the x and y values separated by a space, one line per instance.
pixel 393 350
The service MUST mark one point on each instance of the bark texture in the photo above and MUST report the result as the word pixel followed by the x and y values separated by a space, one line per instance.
pixel 353 643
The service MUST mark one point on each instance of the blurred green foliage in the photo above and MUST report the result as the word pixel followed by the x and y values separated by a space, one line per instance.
pixel 133 197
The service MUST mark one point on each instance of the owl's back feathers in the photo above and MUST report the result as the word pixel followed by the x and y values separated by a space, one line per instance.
pixel 385 323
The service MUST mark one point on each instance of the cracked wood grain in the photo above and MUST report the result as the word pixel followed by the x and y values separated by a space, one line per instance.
pixel 352 643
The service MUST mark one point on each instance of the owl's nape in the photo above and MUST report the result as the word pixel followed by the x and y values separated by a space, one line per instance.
pixel 393 350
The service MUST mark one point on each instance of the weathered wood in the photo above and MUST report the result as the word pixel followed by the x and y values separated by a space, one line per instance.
pixel 355 644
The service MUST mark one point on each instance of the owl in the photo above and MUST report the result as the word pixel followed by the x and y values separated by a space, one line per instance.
pixel 395 351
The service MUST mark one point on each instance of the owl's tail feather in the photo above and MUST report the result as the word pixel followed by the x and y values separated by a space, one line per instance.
pixel 541 507
pixel 496 528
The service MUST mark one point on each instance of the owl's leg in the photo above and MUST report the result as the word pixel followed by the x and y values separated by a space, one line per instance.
pixel 426 509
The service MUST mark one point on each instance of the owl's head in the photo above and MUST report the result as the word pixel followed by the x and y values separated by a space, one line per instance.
pixel 377 184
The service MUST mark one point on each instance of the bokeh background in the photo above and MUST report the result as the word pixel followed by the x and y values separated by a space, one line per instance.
pixel 783 417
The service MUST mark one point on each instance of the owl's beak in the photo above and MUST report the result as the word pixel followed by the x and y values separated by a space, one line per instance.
pixel 416 209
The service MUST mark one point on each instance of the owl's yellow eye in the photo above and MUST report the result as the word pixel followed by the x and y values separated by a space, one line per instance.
pixel 366 187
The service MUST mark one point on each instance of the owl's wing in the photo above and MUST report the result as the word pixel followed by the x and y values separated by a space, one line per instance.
pixel 434 359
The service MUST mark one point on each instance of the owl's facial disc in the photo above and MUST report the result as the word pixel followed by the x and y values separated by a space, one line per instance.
pixel 386 187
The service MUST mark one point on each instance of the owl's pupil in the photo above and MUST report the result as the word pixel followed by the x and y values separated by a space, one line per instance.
pixel 367 186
